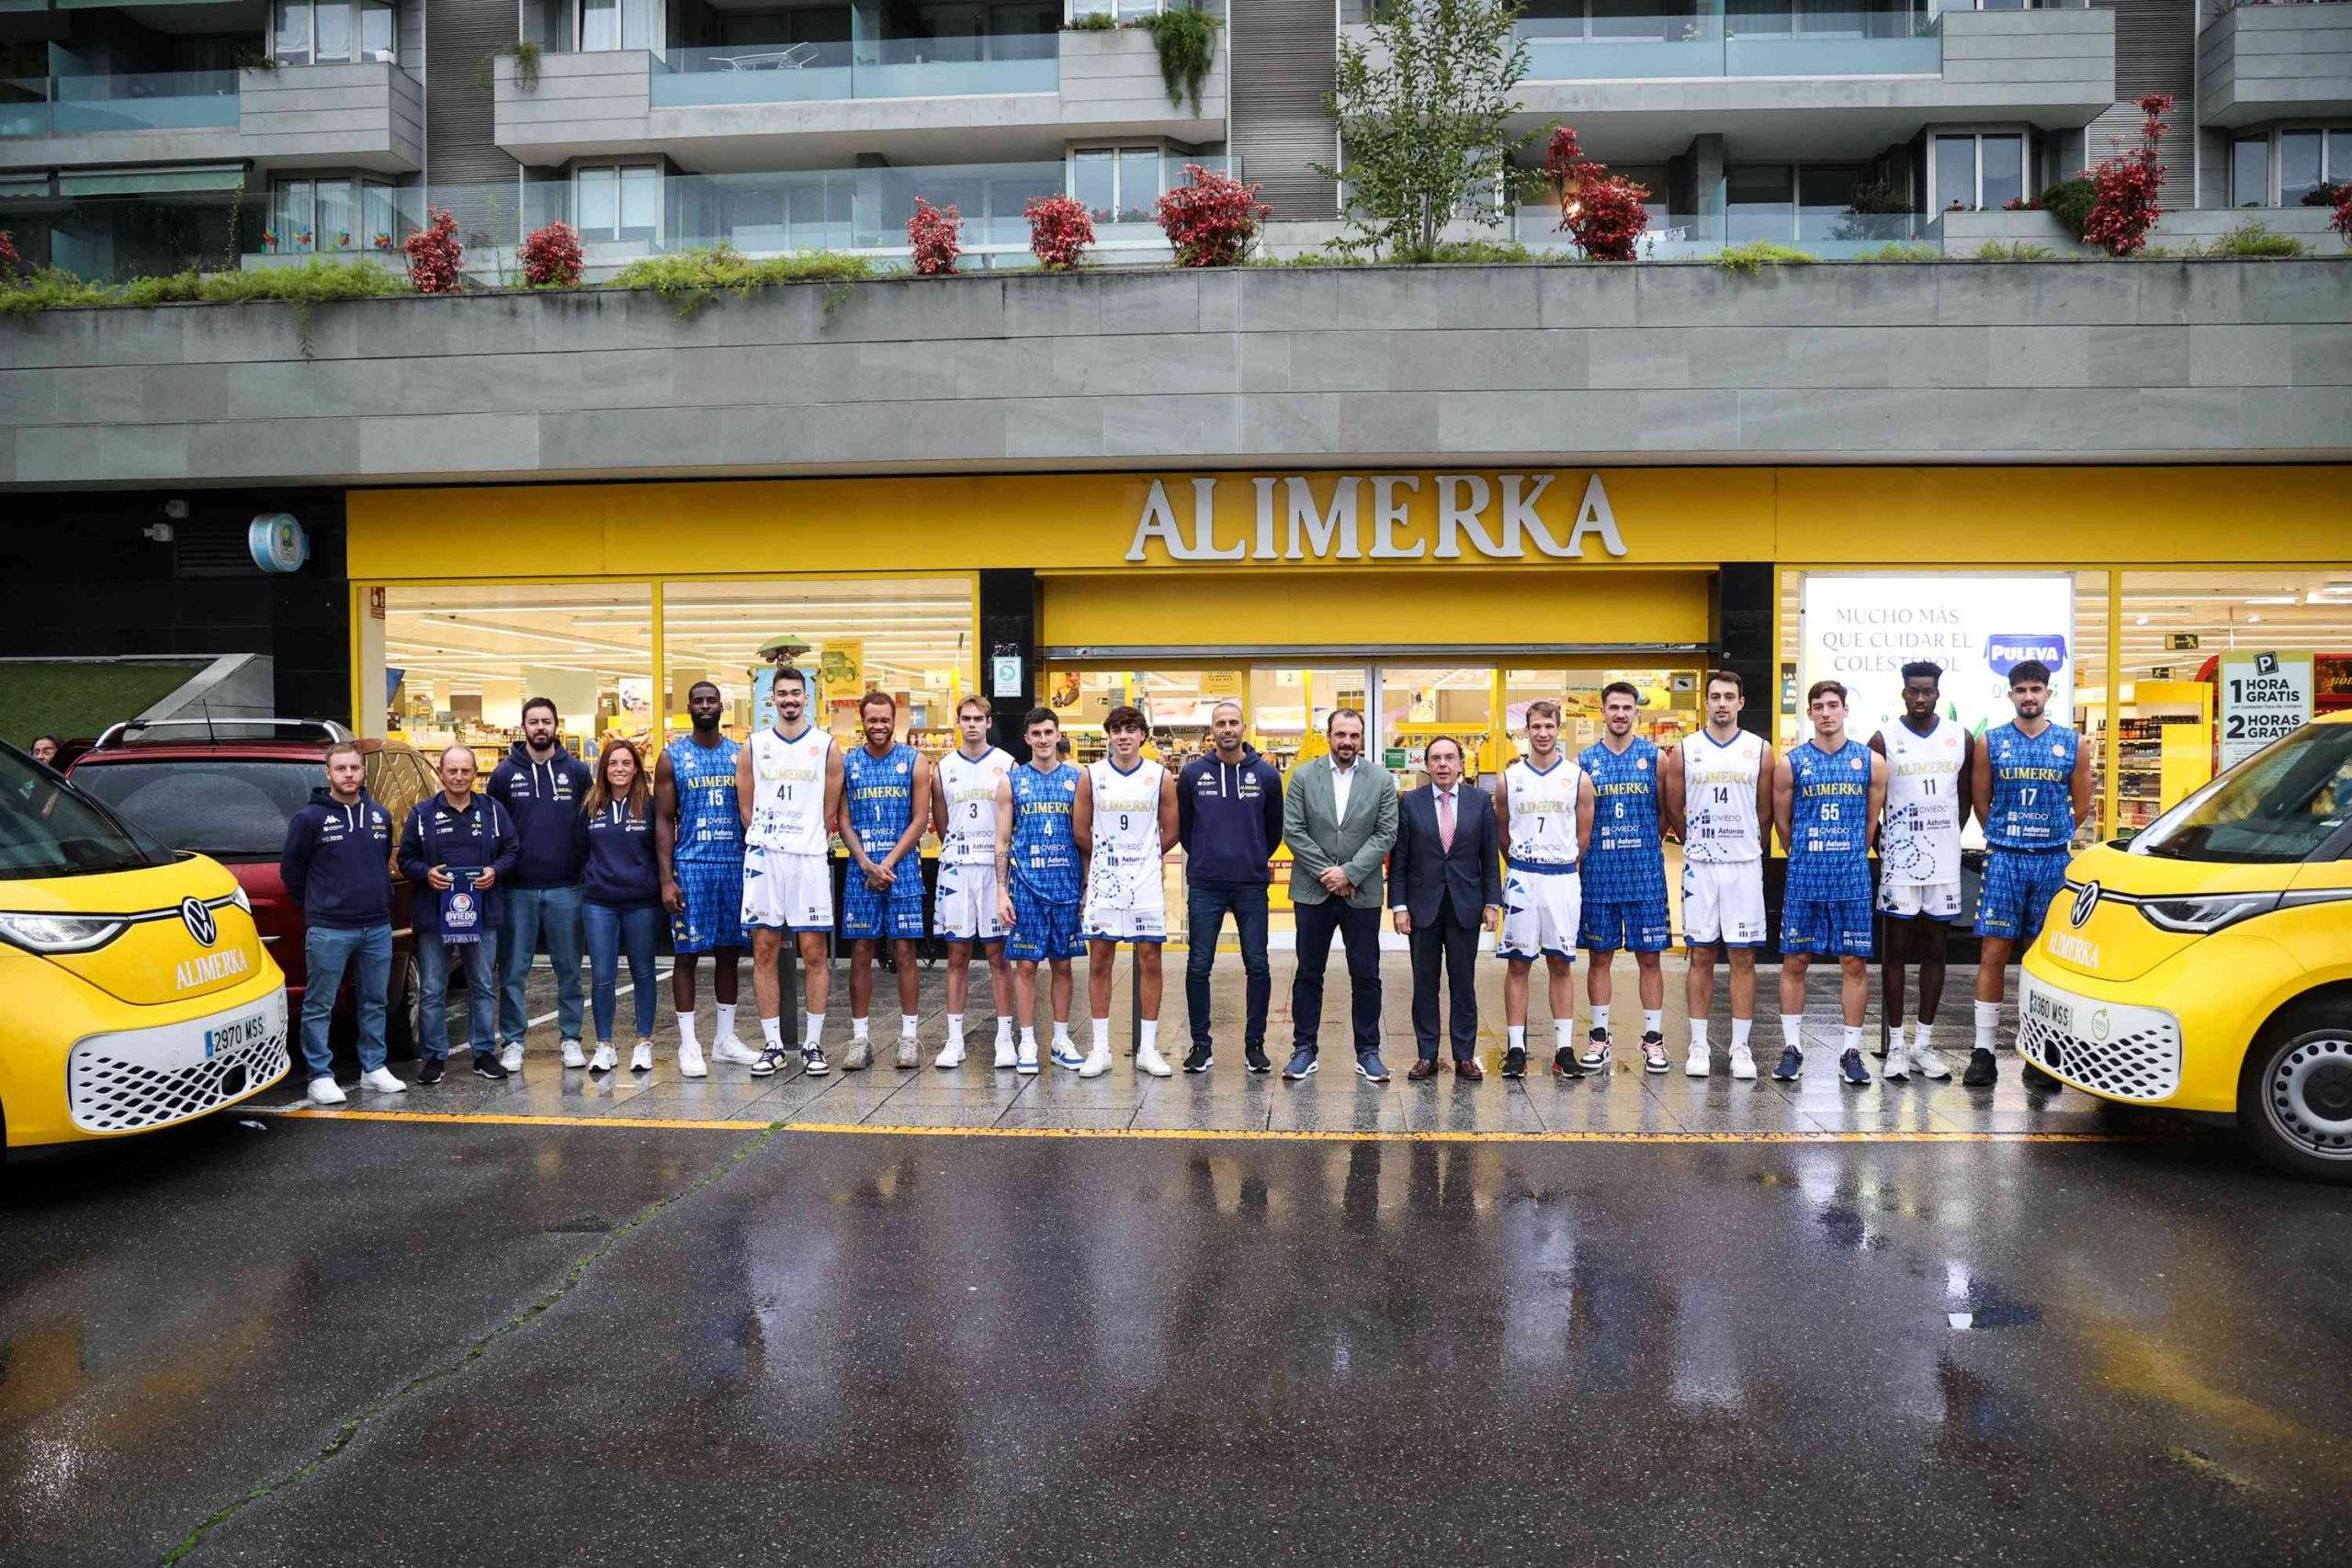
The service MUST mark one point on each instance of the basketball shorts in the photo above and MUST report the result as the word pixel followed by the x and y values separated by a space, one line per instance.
pixel 2019 886
pixel 1723 903
pixel 895 913
pixel 1543 907
pixel 1934 900
pixel 713 917
pixel 964 907
pixel 1125 903
pixel 1623 926
pixel 1828 928
pixel 1043 928
pixel 787 892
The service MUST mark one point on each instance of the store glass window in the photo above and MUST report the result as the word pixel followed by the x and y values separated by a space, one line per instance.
pixel 2086 650
pixel 2250 171
pixel 458 663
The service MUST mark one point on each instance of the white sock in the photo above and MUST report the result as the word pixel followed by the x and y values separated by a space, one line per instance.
pixel 955 1029
pixel 1517 1033
pixel 1005 1031
pixel 906 1026
pixel 1061 1032
pixel 1654 1020
pixel 1988 1022
pixel 1853 1037
pixel 1101 1032
pixel 1564 1032
pixel 816 1029
pixel 727 1020
pixel 772 1032
pixel 857 1030
pixel 685 1029
pixel 1919 1029
pixel 1601 1020
pixel 1739 1027
pixel 1792 1029
pixel 1150 1041
pixel 1698 1035
pixel 1028 1038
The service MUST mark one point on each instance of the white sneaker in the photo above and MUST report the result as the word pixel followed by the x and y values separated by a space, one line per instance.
pixel 861 1054
pixel 605 1059
pixel 572 1054
pixel 1149 1060
pixel 1699 1063
pixel 906 1056
pixel 326 1091
pixel 1743 1064
pixel 1003 1054
pixel 733 1050
pixel 952 1056
pixel 1026 1061
pixel 1896 1068
pixel 1097 1062
pixel 1927 1064
pixel 641 1060
pixel 690 1063
pixel 512 1057
pixel 381 1080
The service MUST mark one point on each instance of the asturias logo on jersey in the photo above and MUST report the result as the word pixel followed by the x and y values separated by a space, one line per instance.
pixel 2004 651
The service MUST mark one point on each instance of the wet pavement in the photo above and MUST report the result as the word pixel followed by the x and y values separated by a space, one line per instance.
pixel 454 1342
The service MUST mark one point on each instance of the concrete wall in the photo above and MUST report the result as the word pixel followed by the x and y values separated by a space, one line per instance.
pixel 368 117
pixel 583 102
pixel 1851 362
pixel 2261 63
pixel 1111 85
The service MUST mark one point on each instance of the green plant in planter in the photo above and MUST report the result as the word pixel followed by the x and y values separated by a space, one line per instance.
pixel 2069 201
pixel 526 54
pixel 1186 40
pixel 1092 22
pixel 1898 252
pixel 2017 250
pixel 2256 240
pixel 1758 254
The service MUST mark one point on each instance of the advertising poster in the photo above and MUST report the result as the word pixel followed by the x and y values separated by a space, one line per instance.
pixel 842 667
pixel 1862 631
pixel 2265 695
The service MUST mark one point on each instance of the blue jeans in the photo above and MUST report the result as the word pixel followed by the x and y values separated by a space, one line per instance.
pixel 612 930
pixel 532 913
pixel 1206 909
pixel 327 951
pixel 433 960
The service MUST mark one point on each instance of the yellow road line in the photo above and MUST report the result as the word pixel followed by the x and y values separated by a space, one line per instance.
pixel 1223 1134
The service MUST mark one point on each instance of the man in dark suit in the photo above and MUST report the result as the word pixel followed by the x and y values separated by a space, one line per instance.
pixel 1444 882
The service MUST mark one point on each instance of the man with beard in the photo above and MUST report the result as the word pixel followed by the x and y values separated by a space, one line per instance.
pixel 698 843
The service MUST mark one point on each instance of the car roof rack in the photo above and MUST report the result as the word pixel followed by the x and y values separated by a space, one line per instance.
pixel 325 730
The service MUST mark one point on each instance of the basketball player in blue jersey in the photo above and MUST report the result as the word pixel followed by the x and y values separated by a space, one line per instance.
pixel 1625 879
pixel 698 842
pixel 1826 796
pixel 2031 785
pixel 1041 879
pixel 886 802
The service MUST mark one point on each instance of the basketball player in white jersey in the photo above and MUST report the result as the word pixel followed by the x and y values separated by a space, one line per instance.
pixel 1928 759
pixel 788 786
pixel 963 802
pixel 1124 819
pixel 1717 799
pixel 1545 815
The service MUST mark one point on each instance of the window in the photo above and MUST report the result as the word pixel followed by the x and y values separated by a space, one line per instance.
pixel 378 33
pixel 330 32
pixel 1985 172
pixel 331 214
pixel 229 810
pixel 2250 171
pixel 618 23
pixel 2308 158
pixel 2301 157
pixel 1116 184
pixel 1759 202
pixel 623 203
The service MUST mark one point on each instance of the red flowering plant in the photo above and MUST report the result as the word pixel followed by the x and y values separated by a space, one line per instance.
pixel 1602 212
pixel 433 255
pixel 2128 188
pixel 551 257
pixel 937 235
pixel 1059 231
pixel 2341 219
pixel 12 266
pixel 1212 218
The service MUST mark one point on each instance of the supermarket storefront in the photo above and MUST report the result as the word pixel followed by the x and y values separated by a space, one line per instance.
pixel 1434 602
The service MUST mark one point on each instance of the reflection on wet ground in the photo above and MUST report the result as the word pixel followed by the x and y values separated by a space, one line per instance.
pixel 390 1343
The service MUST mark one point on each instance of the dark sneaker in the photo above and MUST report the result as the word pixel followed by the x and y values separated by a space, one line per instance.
pixel 771 1062
pixel 1792 1065
pixel 2037 1080
pixel 1849 1064
pixel 429 1071
pixel 1199 1059
pixel 1653 1052
pixel 1564 1065
pixel 1980 1069
pixel 1302 1063
pixel 1370 1065
pixel 1596 1055
pixel 1515 1062
pixel 1255 1058
pixel 486 1066
pixel 812 1061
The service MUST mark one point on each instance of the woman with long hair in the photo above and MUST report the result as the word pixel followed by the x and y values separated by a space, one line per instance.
pixel 623 909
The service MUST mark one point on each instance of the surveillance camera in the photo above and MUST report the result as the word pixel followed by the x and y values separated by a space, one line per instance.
pixel 159 532
pixel 176 509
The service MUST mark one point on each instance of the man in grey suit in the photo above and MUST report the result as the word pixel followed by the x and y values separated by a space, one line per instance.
pixel 1444 882
pixel 1340 819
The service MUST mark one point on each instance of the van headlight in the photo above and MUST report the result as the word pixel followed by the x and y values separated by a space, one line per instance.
pixel 52 934
pixel 2204 915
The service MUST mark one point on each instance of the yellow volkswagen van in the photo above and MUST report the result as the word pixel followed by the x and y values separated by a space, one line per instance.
pixel 2207 965
pixel 138 992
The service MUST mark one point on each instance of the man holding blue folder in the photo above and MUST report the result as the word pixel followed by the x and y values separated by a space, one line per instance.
pixel 455 846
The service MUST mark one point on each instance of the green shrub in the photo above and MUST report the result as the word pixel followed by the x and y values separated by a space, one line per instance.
pixel 1309 258
pixel 50 289
pixel 1758 254
pixel 1478 252
pixel 2069 201
pixel 1093 22
pixel 1898 252
pixel 315 281
pixel 1186 40
pixel 2256 240
pixel 2014 250
pixel 693 279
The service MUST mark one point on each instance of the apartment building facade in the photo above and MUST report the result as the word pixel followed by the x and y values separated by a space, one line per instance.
pixel 144 138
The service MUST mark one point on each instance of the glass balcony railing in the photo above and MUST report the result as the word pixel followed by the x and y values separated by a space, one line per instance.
pixel 1826 232
pixel 1790 40
pixel 84 105
pixel 887 68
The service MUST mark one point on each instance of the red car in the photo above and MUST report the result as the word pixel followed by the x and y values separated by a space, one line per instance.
pixel 227 788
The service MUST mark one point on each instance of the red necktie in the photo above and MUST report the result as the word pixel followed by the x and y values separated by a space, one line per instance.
pixel 1445 820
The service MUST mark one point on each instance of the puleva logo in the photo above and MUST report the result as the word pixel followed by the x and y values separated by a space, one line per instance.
pixel 2004 651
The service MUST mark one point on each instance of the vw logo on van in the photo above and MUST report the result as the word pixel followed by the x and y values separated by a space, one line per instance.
pixel 2085 902
pixel 197 917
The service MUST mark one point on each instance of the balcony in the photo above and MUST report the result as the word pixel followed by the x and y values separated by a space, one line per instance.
pixel 1667 41
pixel 2271 62
pixel 370 115
pixel 748 106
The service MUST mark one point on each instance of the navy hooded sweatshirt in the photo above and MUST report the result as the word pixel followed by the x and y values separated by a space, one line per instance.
pixel 617 850
pixel 482 835
pixel 337 862
pixel 544 798
pixel 1229 817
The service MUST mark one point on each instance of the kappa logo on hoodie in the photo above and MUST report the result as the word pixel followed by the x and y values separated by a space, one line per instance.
pixel 525 786
pixel 333 829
